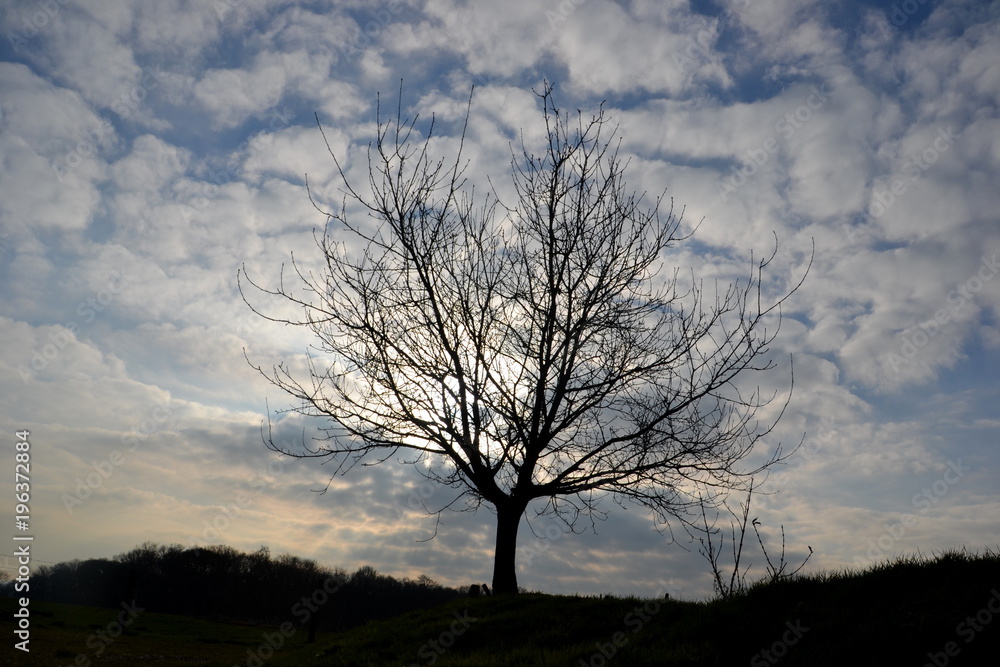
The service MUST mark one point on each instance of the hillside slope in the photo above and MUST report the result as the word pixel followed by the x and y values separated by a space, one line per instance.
pixel 912 612
pixel 939 612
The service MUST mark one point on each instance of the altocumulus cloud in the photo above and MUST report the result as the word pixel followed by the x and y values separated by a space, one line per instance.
pixel 150 150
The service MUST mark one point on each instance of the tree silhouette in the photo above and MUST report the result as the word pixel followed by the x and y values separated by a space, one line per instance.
pixel 536 350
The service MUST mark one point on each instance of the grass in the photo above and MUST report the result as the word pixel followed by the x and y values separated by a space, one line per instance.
pixel 63 634
pixel 910 611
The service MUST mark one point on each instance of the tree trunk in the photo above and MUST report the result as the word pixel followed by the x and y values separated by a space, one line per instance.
pixel 504 566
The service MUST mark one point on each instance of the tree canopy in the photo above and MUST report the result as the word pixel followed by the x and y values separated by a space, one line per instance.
pixel 543 348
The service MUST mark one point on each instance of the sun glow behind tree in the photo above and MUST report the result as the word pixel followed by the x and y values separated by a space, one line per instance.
pixel 537 349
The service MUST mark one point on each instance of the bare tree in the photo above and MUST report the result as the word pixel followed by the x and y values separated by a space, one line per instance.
pixel 536 350
pixel 712 552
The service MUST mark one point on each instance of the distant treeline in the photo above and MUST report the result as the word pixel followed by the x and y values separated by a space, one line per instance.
pixel 223 583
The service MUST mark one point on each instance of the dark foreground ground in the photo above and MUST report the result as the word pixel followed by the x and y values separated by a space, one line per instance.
pixel 944 611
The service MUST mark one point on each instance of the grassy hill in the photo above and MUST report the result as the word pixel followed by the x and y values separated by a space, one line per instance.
pixel 944 611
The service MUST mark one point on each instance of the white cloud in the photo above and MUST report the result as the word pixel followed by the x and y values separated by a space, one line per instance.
pixel 494 39
pixel 150 167
pixel 90 58
pixel 295 152
pixel 654 48
pixel 169 143
pixel 233 95
pixel 53 144
pixel 177 29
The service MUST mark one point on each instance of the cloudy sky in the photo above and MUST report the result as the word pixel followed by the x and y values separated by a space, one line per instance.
pixel 151 149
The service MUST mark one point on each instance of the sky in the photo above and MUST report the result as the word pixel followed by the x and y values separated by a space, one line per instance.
pixel 150 150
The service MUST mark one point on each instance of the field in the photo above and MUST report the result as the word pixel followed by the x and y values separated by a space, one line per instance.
pixel 944 611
